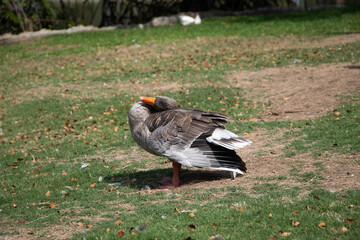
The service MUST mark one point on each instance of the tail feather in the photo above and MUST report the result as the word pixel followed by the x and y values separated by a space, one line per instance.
pixel 227 139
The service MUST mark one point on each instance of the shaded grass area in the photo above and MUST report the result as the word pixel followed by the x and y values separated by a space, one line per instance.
pixel 64 101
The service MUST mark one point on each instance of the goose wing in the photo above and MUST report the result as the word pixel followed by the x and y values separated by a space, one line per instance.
pixel 195 138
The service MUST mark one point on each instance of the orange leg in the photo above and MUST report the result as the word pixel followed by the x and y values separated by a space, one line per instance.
pixel 176 174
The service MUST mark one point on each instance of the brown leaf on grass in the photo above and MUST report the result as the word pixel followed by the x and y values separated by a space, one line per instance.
pixel 64 173
pixel 176 210
pixel 270 215
pixel 191 214
pixel 116 128
pixel 121 233
pixel 344 229
pixel 111 189
pixel 118 222
pixel 349 221
pixel 88 226
pixel 52 205
pixel 47 194
pixel 321 225
pixel 214 224
pixel 295 212
pixel 93 185
pixel 13 205
pixel 295 224
pixel 286 234
pixel 80 224
pixel 241 209
pixel 191 227
pixel 22 221
pixel 12 166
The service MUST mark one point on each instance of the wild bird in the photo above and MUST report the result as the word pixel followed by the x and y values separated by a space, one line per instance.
pixel 192 138
pixel 189 18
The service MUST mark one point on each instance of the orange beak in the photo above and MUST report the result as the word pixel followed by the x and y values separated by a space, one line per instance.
pixel 148 100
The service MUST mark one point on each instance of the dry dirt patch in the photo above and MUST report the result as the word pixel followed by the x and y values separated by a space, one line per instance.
pixel 266 163
pixel 299 92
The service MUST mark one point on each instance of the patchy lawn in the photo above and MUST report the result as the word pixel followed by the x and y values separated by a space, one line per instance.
pixel 69 168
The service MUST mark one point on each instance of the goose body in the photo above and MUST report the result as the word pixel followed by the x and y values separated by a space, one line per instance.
pixel 189 19
pixel 192 138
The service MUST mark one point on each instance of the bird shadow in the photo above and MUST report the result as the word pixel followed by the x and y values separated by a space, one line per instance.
pixel 140 179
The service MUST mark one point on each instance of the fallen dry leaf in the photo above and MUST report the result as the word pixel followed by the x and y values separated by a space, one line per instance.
pixel 52 205
pixel 80 224
pixel 108 230
pixel 295 223
pixel 13 205
pixel 22 221
pixel 116 128
pixel 270 215
pixel 191 227
pixel 118 222
pixel 344 229
pixel 321 225
pixel 47 194
pixel 121 233
pixel 349 221
pixel 286 234
pixel 93 185
pixel 191 214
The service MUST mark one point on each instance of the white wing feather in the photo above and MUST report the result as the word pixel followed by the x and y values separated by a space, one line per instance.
pixel 227 139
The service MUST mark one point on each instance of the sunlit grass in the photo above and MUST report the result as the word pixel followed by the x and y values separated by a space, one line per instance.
pixel 64 102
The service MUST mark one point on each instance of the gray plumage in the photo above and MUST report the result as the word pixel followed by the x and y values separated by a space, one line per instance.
pixel 193 138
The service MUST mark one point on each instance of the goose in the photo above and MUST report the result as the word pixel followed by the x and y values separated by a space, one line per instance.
pixel 189 18
pixel 188 137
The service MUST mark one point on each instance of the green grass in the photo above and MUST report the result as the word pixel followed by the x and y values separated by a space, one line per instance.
pixel 64 102
pixel 337 132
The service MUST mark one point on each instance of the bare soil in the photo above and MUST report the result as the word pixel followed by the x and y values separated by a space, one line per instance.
pixel 266 163
pixel 293 93
pixel 296 93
